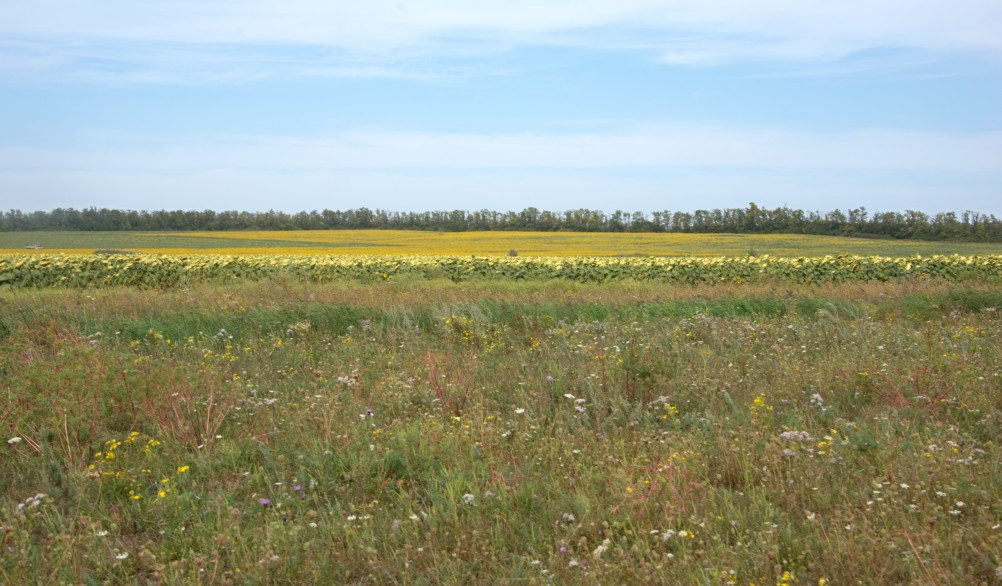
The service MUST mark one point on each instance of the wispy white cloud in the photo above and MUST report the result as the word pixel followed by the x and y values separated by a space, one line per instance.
pixel 421 190
pixel 371 36
pixel 117 62
pixel 655 147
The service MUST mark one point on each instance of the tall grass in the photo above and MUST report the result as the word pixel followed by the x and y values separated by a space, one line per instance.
pixel 502 433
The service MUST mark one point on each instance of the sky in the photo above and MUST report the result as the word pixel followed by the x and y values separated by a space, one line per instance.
pixel 634 105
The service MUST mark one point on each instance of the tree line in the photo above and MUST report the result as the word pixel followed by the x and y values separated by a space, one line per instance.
pixel 966 226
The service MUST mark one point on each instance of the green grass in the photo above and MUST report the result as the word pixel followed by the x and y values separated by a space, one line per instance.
pixel 491 432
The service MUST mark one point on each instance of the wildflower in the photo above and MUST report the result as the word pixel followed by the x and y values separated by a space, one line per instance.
pixel 468 499
pixel 121 555
pixel 597 554
pixel 568 518
pixel 519 411
pixel 549 378
pixel 182 469
pixel 14 440
pixel 568 395
pixel 264 502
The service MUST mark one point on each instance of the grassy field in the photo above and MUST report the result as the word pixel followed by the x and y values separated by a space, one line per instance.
pixel 499 433
pixel 478 243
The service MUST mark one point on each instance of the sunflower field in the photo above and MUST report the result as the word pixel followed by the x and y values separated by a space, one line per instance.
pixel 164 271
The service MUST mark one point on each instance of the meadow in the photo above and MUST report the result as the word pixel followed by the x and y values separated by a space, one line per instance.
pixel 397 242
pixel 496 432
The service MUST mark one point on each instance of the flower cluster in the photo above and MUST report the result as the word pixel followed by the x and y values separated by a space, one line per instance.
pixel 760 409
pixel 30 503
pixel 131 467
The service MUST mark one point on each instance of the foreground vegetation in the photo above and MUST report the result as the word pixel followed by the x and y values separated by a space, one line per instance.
pixel 495 432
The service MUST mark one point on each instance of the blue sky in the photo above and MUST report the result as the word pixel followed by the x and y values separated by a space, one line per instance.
pixel 448 104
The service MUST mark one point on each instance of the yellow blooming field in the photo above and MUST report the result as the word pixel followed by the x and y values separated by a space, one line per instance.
pixel 400 242
pixel 57 270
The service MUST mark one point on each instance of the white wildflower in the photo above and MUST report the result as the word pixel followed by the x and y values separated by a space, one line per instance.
pixel 597 554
